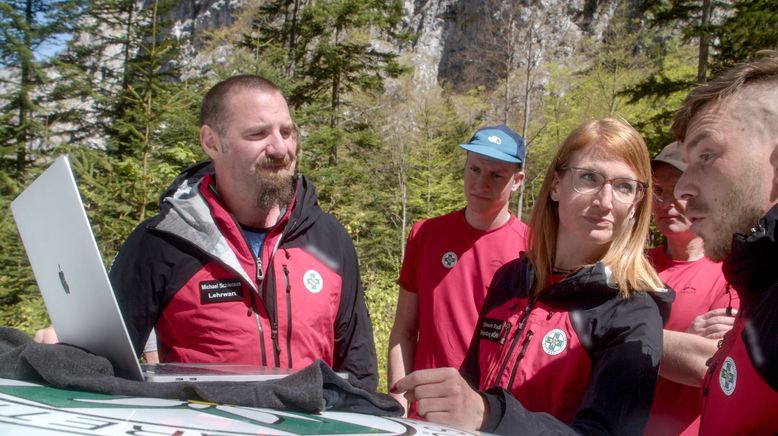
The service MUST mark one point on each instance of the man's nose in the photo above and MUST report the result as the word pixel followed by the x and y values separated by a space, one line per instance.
pixel 684 187
pixel 277 146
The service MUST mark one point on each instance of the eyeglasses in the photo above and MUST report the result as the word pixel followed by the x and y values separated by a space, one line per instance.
pixel 664 196
pixel 586 181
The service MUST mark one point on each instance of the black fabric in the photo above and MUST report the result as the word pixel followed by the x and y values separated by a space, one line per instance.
pixel 621 336
pixel 751 269
pixel 314 388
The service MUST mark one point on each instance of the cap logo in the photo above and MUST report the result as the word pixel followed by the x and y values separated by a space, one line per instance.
pixel 728 376
pixel 495 139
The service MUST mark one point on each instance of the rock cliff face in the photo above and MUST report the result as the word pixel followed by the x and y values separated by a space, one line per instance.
pixel 191 17
pixel 459 41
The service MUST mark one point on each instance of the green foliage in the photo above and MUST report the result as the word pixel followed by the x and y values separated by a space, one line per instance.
pixel 325 49
pixel 20 302
pixel 25 26
pixel 381 297
pixel 751 28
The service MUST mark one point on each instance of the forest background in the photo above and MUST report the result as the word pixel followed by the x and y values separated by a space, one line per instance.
pixel 381 151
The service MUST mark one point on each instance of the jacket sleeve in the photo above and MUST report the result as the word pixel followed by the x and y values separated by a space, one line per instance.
pixel 761 336
pixel 354 348
pixel 133 280
pixel 625 346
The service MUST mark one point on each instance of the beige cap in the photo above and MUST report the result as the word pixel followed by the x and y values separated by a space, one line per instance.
pixel 670 155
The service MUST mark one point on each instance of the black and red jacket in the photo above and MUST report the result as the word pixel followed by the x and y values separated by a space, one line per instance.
pixel 577 359
pixel 189 273
pixel 740 390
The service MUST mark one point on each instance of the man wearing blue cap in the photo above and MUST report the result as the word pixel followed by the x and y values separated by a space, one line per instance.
pixel 450 260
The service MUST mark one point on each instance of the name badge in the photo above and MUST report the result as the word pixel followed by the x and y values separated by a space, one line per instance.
pixel 219 291
pixel 494 330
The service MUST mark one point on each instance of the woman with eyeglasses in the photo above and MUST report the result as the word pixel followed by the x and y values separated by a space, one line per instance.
pixel 570 335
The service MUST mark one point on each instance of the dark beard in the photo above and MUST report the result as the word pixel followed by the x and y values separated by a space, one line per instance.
pixel 275 189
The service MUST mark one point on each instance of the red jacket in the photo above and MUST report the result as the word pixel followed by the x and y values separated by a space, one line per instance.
pixel 740 390
pixel 190 273
pixel 578 359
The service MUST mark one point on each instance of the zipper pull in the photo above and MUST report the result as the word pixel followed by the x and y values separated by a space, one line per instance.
pixel 274 335
pixel 286 279
pixel 260 272
pixel 505 332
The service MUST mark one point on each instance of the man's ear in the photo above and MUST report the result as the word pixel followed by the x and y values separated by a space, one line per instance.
pixel 518 179
pixel 209 140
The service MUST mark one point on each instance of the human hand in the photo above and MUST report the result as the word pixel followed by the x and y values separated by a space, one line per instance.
pixel 46 336
pixel 443 396
pixel 713 324
pixel 403 402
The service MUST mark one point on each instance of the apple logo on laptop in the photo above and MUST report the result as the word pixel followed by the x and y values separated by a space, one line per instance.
pixel 63 280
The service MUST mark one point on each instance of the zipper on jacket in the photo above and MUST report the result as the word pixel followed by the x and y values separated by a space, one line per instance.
pixel 261 334
pixel 260 278
pixel 288 316
pixel 522 323
pixel 274 317
pixel 518 359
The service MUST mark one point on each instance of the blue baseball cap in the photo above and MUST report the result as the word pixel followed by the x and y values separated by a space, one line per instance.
pixel 497 142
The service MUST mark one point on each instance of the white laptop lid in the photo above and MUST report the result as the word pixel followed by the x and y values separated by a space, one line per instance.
pixel 69 269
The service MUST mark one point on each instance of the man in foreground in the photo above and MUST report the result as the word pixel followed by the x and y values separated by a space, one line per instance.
pixel 241 265
pixel 729 131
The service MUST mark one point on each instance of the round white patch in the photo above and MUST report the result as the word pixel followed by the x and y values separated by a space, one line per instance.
pixel 554 342
pixel 728 376
pixel 495 139
pixel 313 281
pixel 449 259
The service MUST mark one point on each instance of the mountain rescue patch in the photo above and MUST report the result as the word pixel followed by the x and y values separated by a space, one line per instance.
pixel 313 281
pixel 449 259
pixel 728 376
pixel 554 342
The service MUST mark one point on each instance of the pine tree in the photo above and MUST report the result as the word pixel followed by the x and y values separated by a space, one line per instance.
pixel 325 47
pixel 25 27
pixel 752 27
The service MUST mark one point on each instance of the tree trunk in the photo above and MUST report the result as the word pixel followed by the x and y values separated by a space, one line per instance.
pixel 702 62
pixel 527 109
pixel 148 112
pixel 25 105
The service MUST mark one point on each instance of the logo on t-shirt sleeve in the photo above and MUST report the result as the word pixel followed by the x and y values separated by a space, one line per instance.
pixel 219 291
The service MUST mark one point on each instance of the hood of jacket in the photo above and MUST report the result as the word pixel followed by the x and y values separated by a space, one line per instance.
pixel 599 283
pixel 751 265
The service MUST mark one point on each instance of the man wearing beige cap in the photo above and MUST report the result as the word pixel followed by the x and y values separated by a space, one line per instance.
pixel 701 313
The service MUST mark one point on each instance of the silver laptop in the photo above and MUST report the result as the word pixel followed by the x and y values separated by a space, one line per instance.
pixel 71 276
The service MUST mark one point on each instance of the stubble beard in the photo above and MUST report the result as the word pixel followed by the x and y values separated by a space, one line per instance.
pixel 734 215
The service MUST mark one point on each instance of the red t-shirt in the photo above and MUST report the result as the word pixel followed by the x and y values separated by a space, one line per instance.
pixel 699 287
pixel 449 265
